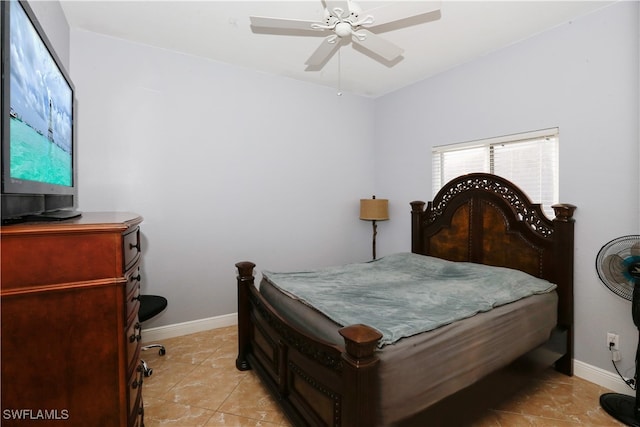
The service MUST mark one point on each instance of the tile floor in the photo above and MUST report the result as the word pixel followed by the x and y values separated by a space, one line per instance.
pixel 196 384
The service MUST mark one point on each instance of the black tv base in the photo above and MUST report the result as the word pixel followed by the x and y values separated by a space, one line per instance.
pixel 60 215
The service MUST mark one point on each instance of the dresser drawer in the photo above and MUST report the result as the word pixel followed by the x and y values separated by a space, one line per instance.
pixel 136 419
pixel 133 302
pixel 131 249
pixel 132 292
pixel 133 337
pixel 135 396
pixel 133 278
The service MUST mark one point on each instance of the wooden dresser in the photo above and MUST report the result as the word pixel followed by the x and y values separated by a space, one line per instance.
pixel 70 332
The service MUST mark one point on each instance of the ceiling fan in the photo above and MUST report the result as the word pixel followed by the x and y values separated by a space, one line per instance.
pixel 345 21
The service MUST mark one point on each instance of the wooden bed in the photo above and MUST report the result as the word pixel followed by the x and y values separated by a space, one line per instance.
pixel 479 218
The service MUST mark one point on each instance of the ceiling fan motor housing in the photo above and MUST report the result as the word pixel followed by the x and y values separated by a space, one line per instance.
pixel 343 29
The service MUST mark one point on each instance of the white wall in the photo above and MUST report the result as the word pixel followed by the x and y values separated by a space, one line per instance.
pixel 581 77
pixel 225 164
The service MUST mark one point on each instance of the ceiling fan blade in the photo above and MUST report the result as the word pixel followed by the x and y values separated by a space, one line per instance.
pixel 402 10
pixel 377 45
pixel 323 52
pixel 340 4
pixel 282 23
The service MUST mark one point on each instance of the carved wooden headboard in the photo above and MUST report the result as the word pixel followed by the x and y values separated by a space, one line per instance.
pixel 486 219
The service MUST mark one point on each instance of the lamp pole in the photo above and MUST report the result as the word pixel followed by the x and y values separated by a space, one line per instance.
pixel 374 210
pixel 375 231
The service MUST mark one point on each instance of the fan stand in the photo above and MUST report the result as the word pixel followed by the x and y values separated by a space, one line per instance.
pixel 622 407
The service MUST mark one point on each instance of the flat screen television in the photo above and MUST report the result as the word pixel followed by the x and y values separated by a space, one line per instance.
pixel 39 174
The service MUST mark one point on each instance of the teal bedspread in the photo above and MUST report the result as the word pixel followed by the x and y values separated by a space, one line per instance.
pixel 405 294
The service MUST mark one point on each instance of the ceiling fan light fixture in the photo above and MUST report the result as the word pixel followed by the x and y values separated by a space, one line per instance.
pixel 343 29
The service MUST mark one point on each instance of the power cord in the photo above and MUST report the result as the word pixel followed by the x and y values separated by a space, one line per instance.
pixel 631 382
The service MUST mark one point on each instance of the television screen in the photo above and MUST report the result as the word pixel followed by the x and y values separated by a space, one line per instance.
pixel 38 142
pixel 41 105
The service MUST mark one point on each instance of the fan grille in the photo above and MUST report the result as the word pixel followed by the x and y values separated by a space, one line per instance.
pixel 618 265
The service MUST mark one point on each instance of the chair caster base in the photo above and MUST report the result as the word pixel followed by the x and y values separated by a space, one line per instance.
pixel 147 371
pixel 162 351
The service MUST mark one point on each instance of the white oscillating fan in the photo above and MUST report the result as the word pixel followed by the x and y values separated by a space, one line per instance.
pixel 618 266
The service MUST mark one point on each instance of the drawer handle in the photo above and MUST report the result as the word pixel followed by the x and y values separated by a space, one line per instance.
pixel 135 278
pixel 138 382
pixel 135 337
pixel 136 246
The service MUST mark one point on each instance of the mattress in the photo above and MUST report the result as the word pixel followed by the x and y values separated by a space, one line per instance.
pixel 418 371
pixel 404 294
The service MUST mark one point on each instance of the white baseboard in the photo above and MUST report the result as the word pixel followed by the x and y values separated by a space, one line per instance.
pixel 178 329
pixel 583 370
pixel 601 377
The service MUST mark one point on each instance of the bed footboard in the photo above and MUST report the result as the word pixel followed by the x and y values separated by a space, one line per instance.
pixel 317 383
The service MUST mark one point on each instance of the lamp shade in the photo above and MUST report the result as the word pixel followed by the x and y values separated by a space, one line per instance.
pixel 374 209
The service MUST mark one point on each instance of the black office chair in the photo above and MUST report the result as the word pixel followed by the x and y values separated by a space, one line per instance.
pixel 151 306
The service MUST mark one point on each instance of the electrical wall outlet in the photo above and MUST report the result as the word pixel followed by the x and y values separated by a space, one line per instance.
pixel 613 338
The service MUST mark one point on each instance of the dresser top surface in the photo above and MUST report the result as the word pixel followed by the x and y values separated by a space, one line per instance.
pixel 96 221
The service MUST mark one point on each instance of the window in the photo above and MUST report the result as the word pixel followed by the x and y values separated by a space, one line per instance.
pixel 529 160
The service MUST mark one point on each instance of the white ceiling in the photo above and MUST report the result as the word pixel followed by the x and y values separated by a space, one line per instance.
pixel 221 30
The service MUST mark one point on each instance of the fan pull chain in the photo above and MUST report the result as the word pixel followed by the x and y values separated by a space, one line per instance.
pixel 339 73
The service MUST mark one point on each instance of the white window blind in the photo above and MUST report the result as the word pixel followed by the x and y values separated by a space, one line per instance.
pixel 529 160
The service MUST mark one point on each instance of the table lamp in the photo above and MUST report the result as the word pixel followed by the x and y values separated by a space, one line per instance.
pixel 374 210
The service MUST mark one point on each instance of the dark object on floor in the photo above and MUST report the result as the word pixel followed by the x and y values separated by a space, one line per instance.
pixel 151 306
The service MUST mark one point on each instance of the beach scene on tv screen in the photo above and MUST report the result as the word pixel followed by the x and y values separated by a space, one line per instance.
pixel 41 104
